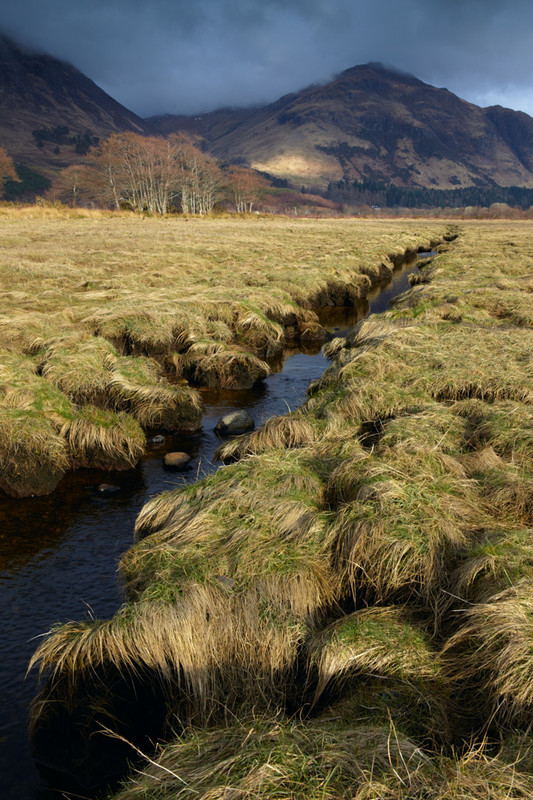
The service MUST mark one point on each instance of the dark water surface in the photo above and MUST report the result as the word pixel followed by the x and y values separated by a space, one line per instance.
pixel 58 554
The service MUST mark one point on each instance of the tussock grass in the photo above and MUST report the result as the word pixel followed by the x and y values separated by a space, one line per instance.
pixel 33 457
pixel 328 760
pixel 408 521
pixel 229 671
pixel 496 560
pixel 262 331
pixel 101 438
pixel 273 758
pixel 506 428
pixel 493 647
pixel 293 430
pixel 133 330
pixel 217 364
pixel 217 530
pixel 474 776
pixel 136 385
pixel 380 641
pixel 80 368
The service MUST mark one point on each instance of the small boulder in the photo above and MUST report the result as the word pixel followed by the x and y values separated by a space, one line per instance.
pixel 159 439
pixel 235 423
pixel 176 460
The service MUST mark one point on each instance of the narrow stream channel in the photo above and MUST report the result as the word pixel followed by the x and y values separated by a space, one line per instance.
pixel 58 554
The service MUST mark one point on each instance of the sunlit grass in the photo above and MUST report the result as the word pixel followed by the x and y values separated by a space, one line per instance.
pixel 120 311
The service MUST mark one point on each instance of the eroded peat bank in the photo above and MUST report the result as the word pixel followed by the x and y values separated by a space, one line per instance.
pixel 344 610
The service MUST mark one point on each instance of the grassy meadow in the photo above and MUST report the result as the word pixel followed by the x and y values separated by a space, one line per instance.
pixel 109 323
pixel 345 610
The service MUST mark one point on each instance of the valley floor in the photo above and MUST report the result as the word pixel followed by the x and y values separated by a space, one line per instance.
pixel 346 609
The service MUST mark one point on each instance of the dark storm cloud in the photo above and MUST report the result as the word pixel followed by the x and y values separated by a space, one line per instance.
pixel 195 55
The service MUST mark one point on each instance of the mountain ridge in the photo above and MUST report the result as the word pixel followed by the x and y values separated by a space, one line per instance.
pixel 371 122
pixel 370 125
pixel 41 93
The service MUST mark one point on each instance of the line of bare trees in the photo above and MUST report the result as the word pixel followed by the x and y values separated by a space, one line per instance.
pixel 148 173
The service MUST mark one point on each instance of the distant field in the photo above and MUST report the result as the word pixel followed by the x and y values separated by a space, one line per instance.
pixel 107 321
pixel 347 610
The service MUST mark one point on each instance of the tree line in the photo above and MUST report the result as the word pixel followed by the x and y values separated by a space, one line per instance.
pixel 149 173
pixel 372 192
pixel 157 175
pixel 146 173
pixel 60 135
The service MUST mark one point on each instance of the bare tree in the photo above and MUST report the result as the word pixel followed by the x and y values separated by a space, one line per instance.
pixel 246 187
pixel 7 170
pixel 107 163
pixel 200 177
pixel 74 185
pixel 149 173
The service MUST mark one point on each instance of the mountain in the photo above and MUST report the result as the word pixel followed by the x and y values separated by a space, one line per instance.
pixel 371 124
pixel 65 109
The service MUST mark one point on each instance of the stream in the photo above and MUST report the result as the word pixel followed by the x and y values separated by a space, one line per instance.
pixel 58 554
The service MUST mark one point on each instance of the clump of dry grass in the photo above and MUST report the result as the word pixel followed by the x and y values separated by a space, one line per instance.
pixel 492 650
pixel 220 528
pixel 33 457
pixel 217 364
pixel 137 385
pixel 495 560
pixel 505 428
pixel 103 439
pixel 161 633
pixel 260 331
pixel 474 776
pixel 273 758
pixel 132 329
pixel 276 759
pixel 291 431
pixel 409 518
pixel 374 642
pixel 80 367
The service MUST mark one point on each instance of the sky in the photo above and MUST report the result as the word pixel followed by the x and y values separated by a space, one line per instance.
pixel 192 56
